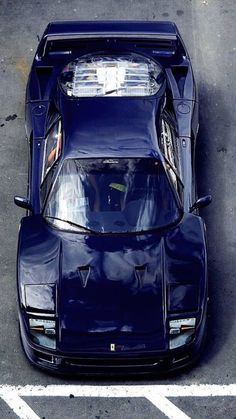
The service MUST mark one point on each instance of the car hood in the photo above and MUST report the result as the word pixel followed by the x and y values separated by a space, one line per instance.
pixel 117 288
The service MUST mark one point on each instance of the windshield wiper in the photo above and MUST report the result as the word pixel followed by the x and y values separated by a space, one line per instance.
pixel 71 223
pixel 108 92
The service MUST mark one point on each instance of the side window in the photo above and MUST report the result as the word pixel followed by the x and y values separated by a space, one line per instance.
pixel 168 146
pixel 46 185
pixel 53 145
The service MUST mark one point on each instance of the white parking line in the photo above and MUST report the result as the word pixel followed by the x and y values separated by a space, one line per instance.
pixel 19 406
pixel 167 407
pixel 158 395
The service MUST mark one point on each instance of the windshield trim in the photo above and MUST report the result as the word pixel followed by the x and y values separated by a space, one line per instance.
pixel 120 233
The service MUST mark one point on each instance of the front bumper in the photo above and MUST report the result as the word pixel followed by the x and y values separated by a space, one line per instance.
pixel 112 364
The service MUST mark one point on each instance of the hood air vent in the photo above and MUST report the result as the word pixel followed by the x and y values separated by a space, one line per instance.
pixel 140 271
pixel 84 274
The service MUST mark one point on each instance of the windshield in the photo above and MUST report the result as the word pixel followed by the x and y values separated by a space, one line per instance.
pixel 111 195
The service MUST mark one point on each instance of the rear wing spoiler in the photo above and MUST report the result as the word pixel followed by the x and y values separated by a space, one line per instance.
pixel 62 38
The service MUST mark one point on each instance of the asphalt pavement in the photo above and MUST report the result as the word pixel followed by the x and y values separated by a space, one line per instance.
pixel 208 29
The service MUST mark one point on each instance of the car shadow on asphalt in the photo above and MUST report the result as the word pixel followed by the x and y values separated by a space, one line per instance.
pixel 212 154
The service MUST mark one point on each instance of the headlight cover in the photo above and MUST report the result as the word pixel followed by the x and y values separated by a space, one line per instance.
pixel 181 331
pixel 40 297
pixel 43 332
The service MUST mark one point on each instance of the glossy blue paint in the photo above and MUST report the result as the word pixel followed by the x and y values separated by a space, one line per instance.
pixel 117 302
pixel 120 127
pixel 104 288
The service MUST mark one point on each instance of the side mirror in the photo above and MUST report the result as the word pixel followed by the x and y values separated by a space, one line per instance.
pixel 23 203
pixel 201 203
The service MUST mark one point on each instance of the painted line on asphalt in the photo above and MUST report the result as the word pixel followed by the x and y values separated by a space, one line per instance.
pixel 19 406
pixel 158 395
pixel 167 407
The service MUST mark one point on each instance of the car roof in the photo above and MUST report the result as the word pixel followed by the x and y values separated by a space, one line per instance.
pixel 107 127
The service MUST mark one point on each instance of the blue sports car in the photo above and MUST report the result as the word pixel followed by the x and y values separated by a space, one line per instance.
pixel 111 264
